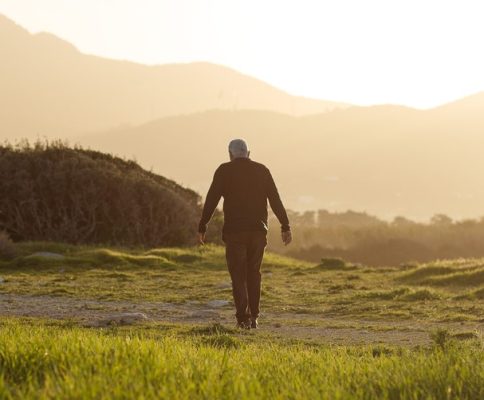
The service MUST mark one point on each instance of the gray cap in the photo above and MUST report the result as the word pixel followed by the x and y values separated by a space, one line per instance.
pixel 238 148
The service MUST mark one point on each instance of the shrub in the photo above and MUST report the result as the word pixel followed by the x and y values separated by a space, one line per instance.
pixel 441 338
pixel 214 329
pixel 223 341
pixel 7 248
pixel 420 295
pixel 81 196
pixel 479 294
pixel 333 263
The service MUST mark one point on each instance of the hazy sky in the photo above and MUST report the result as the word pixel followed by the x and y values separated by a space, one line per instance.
pixel 414 52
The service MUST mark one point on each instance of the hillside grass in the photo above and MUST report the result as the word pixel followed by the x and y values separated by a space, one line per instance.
pixel 438 291
pixel 55 360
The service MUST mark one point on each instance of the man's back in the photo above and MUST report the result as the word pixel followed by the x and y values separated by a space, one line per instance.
pixel 245 186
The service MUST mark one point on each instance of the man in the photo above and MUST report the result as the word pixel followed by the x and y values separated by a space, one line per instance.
pixel 245 186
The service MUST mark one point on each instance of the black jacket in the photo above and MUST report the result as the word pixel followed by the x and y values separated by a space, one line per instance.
pixel 245 186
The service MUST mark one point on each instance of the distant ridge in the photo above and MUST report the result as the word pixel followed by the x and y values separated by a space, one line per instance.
pixel 50 88
pixel 386 160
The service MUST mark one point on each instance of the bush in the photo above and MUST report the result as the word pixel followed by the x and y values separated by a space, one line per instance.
pixel 441 338
pixel 81 196
pixel 333 263
pixel 420 295
pixel 7 248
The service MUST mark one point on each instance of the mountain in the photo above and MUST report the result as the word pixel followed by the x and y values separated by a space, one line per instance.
pixel 386 160
pixel 49 88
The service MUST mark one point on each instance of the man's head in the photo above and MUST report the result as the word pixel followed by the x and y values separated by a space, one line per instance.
pixel 238 149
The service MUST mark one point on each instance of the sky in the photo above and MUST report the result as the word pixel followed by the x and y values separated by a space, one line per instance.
pixel 417 53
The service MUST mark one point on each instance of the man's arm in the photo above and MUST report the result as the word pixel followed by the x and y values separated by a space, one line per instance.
pixel 276 204
pixel 213 197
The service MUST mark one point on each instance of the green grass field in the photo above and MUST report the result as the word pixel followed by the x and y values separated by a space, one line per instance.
pixel 328 330
pixel 50 361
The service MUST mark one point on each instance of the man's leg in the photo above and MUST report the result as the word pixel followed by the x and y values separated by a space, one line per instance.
pixel 255 253
pixel 236 255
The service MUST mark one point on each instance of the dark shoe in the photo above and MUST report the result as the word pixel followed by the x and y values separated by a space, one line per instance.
pixel 243 325
pixel 254 324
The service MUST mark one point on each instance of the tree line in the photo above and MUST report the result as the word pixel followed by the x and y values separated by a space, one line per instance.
pixel 362 238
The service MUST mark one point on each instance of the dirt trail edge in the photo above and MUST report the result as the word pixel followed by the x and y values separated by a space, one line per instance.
pixel 98 313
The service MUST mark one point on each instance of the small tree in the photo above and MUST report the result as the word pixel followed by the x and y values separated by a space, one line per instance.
pixel 441 219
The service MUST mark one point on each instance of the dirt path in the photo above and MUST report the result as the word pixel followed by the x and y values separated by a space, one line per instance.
pixel 310 327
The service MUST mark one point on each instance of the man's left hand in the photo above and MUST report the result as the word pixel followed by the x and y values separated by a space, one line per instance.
pixel 286 237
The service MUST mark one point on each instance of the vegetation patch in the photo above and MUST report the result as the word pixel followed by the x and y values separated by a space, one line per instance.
pixel 340 287
pixel 467 335
pixel 53 361
pixel 420 295
pixel 421 274
pixel 466 279
pixel 447 273
pixel 7 247
pixel 222 341
pixel 184 281
pixel 478 294
pixel 214 329
pixel 401 294
pixel 384 294
pixel 335 264
pixel 83 196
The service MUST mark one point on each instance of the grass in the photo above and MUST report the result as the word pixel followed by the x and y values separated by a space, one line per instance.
pixel 423 323
pixel 403 294
pixel 448 273
pixel 430 292
pixel 55 360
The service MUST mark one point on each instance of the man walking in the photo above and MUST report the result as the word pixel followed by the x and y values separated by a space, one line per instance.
pixel 245 186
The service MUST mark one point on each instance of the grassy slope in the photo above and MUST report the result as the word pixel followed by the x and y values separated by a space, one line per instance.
pixel 441 291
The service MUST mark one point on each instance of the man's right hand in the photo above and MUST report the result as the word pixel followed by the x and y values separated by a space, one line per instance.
pixel 201 238
pixel 286 237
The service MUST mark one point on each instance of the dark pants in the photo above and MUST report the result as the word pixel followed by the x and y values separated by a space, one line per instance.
pixel 244 252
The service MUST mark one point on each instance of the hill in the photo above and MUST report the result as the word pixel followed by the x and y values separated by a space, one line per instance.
pixel 52 192
pixel 385 160
pixel 51 89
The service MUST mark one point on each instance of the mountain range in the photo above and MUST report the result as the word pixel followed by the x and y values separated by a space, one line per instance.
pixel 387 160
pixel 50 88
